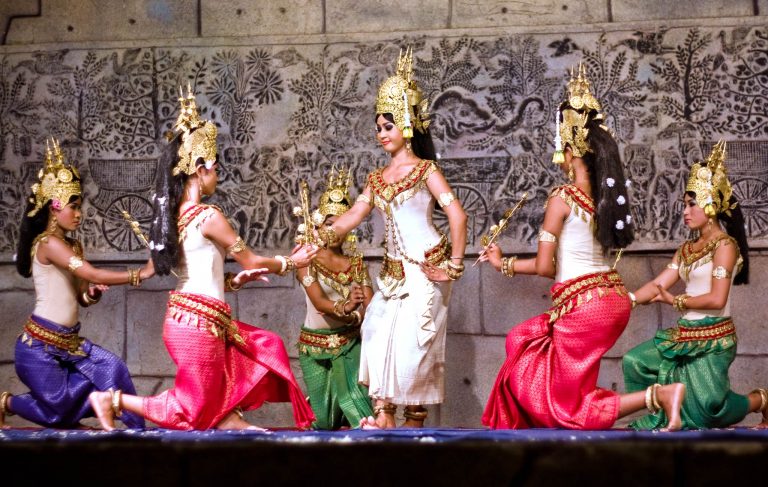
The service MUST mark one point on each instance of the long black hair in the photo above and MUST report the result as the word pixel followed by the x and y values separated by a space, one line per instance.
pixel 734 227
pixel 164 233
pixel 29 228
pixel 614 228
pixel 421 144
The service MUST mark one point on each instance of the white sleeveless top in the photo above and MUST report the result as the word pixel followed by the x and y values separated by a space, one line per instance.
pixel 578 251
pixel 201 264
pixel 696 271
pixel 55 293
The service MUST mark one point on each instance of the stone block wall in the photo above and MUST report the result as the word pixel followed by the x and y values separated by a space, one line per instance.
pixel 102 76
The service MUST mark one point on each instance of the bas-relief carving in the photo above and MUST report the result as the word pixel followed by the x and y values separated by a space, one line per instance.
pixel 290 113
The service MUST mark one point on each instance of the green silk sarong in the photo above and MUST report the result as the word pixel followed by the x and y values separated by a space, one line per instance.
pixel 330 361
pixel 697 353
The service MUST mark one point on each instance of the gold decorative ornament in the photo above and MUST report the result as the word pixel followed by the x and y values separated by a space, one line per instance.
pixel 400 96
pixel 709 181
pixel 75 263
pixel 575 113
pixel 545 236
pixel 720 272
pixel 237 247
pixel 335 201
pixel 496 230
pixel 198 139
pixel 305 233
pixel 679 303
pixel 58 182
pixel 445 199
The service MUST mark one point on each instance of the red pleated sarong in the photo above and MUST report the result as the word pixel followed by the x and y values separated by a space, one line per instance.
pixel 549 379
pixel 221 364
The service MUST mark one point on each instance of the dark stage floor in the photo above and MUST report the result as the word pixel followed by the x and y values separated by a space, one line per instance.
pixel 373 458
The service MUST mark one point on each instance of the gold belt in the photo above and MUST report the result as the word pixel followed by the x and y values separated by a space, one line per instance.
pixel 215 312
pixel 71 342
pixel 393 268
pixel 582 289
pixel 328 341
pixel 690 334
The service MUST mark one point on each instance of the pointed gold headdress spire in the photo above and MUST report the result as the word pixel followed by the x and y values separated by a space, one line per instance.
pixel 198 136
pixel 575 115
pixel 709 180
pixel 335 200
pixel 58 182
pixel 400 96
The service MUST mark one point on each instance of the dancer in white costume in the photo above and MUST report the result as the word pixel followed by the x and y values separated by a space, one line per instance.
pixel 403 353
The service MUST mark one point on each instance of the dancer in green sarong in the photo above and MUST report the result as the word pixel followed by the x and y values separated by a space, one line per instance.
pixel 338 289
pixel 700 349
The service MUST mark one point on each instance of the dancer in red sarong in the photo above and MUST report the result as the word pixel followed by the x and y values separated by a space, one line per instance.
pixel 549 378
pixel 224 366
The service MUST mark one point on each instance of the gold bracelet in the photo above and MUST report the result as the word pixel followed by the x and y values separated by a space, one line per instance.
pixel 117 402
pixel 228 284
pixel 632 299
pixel 134 277
pixel 338 307
pixel 508 266
pixel 357 318
pixel 679 302
pixel 88 300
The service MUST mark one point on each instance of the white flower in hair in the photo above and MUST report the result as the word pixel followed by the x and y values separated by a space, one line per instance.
pixel 621 200
pixel 610 182
pixel 619 225
pixel 151 245
pixel 628 183
pixel 629 219
pixel 159 247
pixel 161 200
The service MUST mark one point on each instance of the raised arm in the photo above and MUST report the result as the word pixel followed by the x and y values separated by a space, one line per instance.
pixel 351 218
pixel 345 310
pixel 218 229
pixel 544 262
pixel 59 253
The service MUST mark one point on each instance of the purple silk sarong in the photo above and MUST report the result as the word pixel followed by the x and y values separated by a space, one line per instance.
pixel 59 381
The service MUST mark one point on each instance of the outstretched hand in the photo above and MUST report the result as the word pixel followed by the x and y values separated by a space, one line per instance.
pixel 433 272
pixel 95 290
pixel 249 275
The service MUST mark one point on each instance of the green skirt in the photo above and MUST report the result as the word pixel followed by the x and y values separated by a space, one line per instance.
pixel 330 362
pixel 697 353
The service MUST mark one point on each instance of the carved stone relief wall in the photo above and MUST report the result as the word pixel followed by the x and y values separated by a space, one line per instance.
pixel 291 112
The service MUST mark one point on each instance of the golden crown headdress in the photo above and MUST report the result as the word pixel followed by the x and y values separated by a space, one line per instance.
pixel 709 180
pixel 198 136
pixel 335 200
pixel 575 114
pixel 399 95
pixel 57 181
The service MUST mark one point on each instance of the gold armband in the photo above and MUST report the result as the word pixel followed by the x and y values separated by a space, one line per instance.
pixel 720 272
pixel 236 247
pixel 362 197
pixel 228 284
pixel 75 263
pixel 307 280
pixel 673 266
pixel 446 199
pixel 545 236
pixel 508 266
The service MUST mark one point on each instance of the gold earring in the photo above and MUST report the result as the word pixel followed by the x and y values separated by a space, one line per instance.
pixel 571 173
pixel 408 145
pixel 52 225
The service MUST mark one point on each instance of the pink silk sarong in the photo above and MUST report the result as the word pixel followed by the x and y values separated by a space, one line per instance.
pixel 549 378
pixel 222 364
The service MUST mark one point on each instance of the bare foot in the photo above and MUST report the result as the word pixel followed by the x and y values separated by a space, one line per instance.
pixel 233 421
pixel 382 421
pixel 101 402
pixel 671 399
